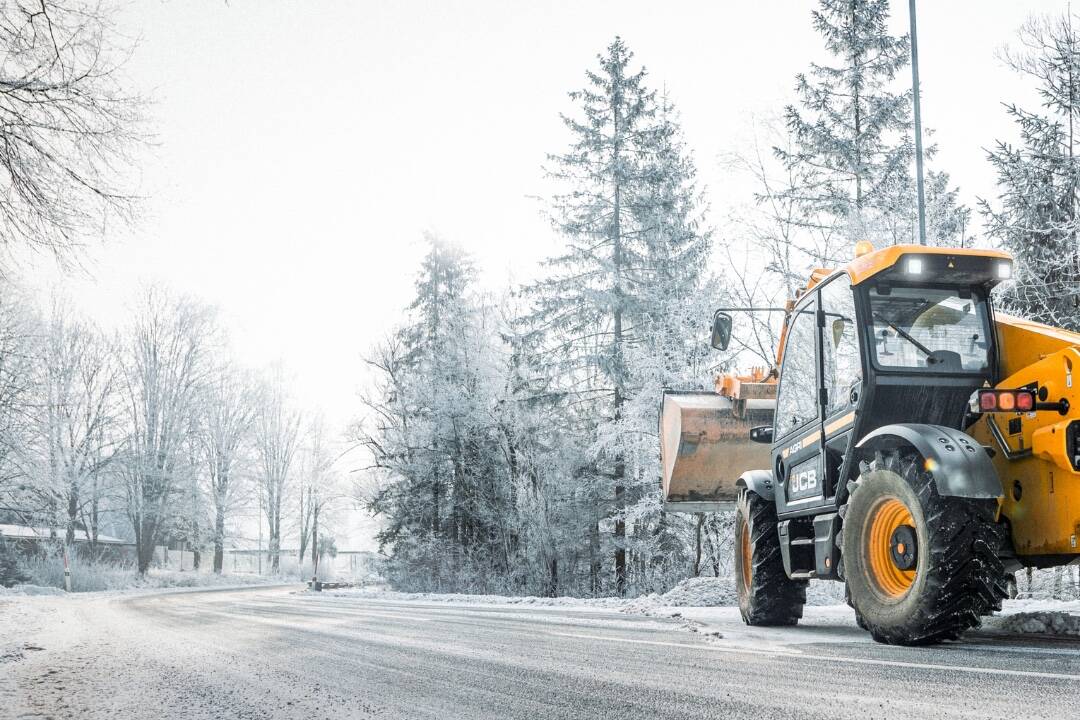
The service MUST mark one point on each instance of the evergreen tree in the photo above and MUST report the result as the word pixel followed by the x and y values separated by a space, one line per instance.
pixel 448 503
pixel 10 572
pixel 1035 215
pixel 631 216
pixel 853 143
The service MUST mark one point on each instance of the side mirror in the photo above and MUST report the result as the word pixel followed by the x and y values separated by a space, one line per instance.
pixel 721 330
pixel 761 434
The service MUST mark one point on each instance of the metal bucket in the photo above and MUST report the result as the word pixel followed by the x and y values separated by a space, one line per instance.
pixel 705 446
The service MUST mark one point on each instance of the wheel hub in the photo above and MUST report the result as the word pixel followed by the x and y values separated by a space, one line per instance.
pixel 903 548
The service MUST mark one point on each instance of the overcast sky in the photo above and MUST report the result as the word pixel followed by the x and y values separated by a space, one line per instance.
pixel 302 147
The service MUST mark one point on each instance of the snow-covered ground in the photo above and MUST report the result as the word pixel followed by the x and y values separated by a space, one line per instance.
pixel 154 581
pixel 709 605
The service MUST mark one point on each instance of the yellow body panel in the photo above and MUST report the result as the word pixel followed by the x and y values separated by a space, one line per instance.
pixel 1045 518
pixel 1023 342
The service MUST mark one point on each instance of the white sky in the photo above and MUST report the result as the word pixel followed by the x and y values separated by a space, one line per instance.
pixel 303 146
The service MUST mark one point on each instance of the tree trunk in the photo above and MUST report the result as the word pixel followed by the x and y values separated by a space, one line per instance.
pixel 273 520
pixel 315 539
pixel 617 341
pixel 304 528
pixel 700 525
pixel 72 515
pixel 144 549
pixel 95 519
pixel 219 537
pixel 594 549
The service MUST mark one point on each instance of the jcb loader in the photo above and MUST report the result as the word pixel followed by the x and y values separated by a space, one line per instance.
pixel 909 441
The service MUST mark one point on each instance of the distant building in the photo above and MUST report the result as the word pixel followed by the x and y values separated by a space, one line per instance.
pixel 34 540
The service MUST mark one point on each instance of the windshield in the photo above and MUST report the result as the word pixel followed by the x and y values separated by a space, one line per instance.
pixel 929 329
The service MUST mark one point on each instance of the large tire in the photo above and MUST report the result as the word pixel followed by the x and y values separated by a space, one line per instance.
pixel 766 595
pixel 929 590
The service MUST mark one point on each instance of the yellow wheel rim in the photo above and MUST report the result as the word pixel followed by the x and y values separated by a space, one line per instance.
pixel 747 554
pixel 885 518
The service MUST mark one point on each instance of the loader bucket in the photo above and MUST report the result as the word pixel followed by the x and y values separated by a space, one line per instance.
pixel 705 446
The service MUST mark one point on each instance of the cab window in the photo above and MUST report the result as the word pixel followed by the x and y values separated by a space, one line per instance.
pixel 929 329
pixel 843 366
pixel 796 401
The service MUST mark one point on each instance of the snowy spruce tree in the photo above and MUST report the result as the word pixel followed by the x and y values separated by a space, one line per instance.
pixel 449 516
pixel 852 133
pixel 1035 214
pixel 610 310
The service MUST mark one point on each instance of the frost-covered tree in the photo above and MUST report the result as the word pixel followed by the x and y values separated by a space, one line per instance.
pixel 225 443
pixel 849 125
pixel 74 429
pixel 319 490
pixel 1035 213
pixel 629 211
pixel 276 437
pixel 850 163
pixel 438 456
pixel 164 365
pixel 19 342
pixel 68 123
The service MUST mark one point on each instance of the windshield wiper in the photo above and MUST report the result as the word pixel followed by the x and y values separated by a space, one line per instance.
pixel 904 334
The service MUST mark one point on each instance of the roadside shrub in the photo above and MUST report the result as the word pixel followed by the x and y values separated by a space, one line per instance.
pixel 87 576
pixel 10 572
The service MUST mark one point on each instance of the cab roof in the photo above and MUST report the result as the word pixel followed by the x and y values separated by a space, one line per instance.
pixel 964 264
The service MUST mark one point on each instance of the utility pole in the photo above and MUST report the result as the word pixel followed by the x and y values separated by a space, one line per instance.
pixel 918 123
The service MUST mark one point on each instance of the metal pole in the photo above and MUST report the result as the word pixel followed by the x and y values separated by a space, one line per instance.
pixel 67 570
pixel 918 123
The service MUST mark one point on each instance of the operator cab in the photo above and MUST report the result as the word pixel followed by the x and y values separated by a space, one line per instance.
pixel 901 335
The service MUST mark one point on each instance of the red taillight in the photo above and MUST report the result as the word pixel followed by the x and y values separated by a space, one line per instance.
pixel 1006 400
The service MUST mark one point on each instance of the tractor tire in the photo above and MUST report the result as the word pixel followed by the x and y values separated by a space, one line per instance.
pixel 840 571
pixel 766 595
pixel 919 567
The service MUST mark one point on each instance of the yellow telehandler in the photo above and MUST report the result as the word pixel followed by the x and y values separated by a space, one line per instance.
pixel 909 441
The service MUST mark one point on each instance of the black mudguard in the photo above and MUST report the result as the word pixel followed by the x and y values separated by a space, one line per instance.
pixel 759 482
pixel 959 464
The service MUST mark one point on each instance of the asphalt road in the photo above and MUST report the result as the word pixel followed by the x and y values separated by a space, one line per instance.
pixel 278 653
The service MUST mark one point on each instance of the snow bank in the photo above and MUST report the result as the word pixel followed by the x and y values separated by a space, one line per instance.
pixel 693 592
pixel 1037 623
pixel 379 594
pixel 720 592
pixel 130 582
pixel 1036 617
pixel 31 590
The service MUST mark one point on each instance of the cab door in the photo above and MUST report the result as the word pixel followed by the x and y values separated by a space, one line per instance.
pixel 797 425
pixel 842 379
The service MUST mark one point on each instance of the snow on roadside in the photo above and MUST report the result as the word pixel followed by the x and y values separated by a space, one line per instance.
pixel 708 601
pixel 1036 617
pixel 30 590
pixel 156 580
pixel 466 599
pixel 693 592
pixel 720 592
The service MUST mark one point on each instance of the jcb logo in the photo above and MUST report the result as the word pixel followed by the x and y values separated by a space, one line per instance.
pixel 803 482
